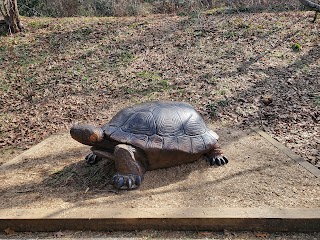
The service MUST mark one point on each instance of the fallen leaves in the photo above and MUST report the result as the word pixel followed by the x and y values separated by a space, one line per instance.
pixel 9 231
pixel 59 234
pixel 262 235
pixel 86 72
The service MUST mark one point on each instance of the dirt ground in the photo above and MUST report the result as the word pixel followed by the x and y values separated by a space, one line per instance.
pixel 245 69
pixel 54 173
pixel 239 70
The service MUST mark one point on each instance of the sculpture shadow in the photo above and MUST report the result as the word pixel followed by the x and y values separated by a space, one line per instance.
pixel 96 178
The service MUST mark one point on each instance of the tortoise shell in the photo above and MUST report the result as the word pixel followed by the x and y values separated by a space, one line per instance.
pixel 162 128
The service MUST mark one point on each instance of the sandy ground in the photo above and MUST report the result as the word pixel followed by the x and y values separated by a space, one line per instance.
pixel 54 174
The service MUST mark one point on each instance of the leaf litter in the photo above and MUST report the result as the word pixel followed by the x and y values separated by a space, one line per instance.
pixel 236 69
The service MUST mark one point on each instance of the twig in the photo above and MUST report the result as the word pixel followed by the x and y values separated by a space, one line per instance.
pixel 24 191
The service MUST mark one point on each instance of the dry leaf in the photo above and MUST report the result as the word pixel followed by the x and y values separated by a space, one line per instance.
pixel 206 234
pixel 58 234
pixel 9 231
pixel 262 235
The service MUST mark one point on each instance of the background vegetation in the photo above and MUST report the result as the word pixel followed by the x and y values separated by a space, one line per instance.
pixel 68 8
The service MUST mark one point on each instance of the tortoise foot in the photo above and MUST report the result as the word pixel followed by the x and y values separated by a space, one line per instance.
pixel 126 181
pixel 218 160
pixel 92 159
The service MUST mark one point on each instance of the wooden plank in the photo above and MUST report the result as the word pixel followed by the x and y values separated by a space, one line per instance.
pixel 308 166
pixel 214 219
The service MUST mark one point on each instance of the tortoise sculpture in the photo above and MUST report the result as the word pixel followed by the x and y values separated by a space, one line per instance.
pixel 150 136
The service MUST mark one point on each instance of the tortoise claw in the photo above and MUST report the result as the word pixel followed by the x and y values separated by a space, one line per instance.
pixel 128 182
pixel 120 182
pixel 113 181
pixel 218 160
pixel 138 181
pixel 211 161
pixel 92 159
pixel 225 159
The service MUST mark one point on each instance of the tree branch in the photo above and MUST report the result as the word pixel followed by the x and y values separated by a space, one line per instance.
pixel 311 5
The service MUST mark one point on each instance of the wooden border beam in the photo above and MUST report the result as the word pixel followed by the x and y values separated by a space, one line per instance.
pixel 302 162
pixel 197 219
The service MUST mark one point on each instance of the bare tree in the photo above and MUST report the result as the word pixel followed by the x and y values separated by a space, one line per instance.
pixel 312 6
pixel 10 12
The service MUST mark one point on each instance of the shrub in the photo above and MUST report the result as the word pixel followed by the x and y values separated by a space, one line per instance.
pixel 67 8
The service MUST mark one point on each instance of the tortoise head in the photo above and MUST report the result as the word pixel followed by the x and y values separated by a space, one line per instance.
pixel 86 134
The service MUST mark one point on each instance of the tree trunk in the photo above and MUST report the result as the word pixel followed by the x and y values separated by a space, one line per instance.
pixel 10 12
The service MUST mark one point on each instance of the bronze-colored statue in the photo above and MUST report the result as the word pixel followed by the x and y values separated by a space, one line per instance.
pixel 150 136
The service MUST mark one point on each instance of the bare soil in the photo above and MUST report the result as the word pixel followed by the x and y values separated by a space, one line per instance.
pixel 243 69
pixel 54 174
pixel 236 69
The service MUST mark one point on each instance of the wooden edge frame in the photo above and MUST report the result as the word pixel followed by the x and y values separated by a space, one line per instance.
pixel 191 219
pixel 308 166
pixel 196 219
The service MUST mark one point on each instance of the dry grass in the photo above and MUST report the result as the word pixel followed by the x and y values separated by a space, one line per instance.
pixel 68 8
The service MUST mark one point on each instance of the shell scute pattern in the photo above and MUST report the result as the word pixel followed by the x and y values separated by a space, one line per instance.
pixel 170 143
pixel 184 144
pixel 121 136
pixel 139 140
pixel 122 116
pixel 168 122
pixel 155 142
pixel 161 126
pixel 197 144
pixel 194 126
pixel 140 123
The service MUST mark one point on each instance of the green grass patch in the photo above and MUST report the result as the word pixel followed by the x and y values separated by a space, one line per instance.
pixel 39 24
pixel 3 48
pixel 146 82
pixel 147 75
pixel 154 79
pixel 127 57
pixel 137 24
pixel 212 109
pixel 296 47
pixel 4 86
pixel 218 10
pixel 316 98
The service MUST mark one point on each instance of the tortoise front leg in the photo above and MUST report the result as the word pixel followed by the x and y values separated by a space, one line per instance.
pixel 92 158
pixel 97 155
pixel 130 165
pixel 215 156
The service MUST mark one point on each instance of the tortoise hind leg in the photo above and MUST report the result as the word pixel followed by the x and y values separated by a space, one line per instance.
pixel 215 156
pixel 130 165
